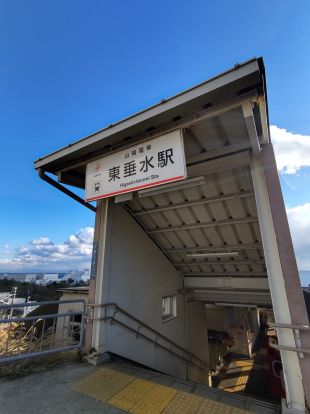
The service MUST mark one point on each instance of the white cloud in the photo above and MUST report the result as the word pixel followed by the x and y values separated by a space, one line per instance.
pixel 84 235
pixel 292 150
pixel 299 220
pixel 41 241
pixel 42 253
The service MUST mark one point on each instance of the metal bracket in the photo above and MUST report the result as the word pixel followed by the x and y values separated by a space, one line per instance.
pixel 114 313
pixel 65 190
pixel 156 341
pixel 138 331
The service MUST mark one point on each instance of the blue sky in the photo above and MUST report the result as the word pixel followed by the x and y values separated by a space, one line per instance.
pixel 69 68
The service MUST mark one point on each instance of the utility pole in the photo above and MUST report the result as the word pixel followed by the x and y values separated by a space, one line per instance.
pixel 14 290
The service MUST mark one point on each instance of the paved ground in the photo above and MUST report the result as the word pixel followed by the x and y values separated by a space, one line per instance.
pixel 50 392
pixel 78 387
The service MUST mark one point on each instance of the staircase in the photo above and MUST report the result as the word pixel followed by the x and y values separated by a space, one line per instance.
pixel 135 389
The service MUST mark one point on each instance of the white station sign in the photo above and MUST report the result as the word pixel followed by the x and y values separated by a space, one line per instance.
pixel 155 162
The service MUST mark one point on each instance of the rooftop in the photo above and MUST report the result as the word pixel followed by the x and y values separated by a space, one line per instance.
pixel 242 80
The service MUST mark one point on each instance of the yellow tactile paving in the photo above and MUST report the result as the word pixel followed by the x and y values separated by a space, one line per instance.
pixel 132 394
pixel 156 400
pixel 103 384
pixel 244 364
pixel 138 396
pixel 213 407
pixel 185 403
pixel 235 410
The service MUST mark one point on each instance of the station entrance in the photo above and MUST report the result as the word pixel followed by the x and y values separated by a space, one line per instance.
pixel 191 254
pixel 195 278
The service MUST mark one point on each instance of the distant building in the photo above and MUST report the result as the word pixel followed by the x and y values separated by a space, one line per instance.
pixel 31 277
pixel 20 277
pixel 39 280
pixel 50 278
pixel 76 276
pixel 66 325
pixel 85 275
pixel 47 278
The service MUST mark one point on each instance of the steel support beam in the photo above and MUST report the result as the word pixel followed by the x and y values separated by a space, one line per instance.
pixel 218 152
pixel 226 274
pixel 251 127
pixel 205 225
pixel 228 291
pixel 296 303
pixel 231 247
pixel 264 119
pixel 231 295
pixel 292 373
pixel 224 163
pixel 208 263
pixel 203 201
pixel 256 284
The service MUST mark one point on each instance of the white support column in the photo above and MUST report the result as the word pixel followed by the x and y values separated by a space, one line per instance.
pixel 295 396
pixel 102 236
pixel 291 367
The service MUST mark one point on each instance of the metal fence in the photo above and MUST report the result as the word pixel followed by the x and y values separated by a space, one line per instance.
pixel 35 329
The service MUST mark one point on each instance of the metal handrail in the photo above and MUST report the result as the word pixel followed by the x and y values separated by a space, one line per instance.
pixel 137 332
pixel 296 328
pixel 289 326
pixel 274 345
pixel 33 318
pixel 49 302
pixel 29 344
pixel 113 319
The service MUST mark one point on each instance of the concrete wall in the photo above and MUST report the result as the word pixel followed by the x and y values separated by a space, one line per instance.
pixel 197 339
pixel 216 320
pixel 136 275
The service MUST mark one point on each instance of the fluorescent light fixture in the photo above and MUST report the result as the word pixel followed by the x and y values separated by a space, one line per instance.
pixel 235 292
pixel 213 254
pixel 191 182
pixel 236 305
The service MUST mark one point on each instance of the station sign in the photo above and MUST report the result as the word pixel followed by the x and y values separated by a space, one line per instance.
pixel 154 162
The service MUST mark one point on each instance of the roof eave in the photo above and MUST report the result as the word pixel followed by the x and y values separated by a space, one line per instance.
pixel 103 137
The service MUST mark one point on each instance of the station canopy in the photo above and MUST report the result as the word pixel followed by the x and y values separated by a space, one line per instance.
pixel 207 225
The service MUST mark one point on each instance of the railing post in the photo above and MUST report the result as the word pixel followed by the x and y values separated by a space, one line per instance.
pixel 82 328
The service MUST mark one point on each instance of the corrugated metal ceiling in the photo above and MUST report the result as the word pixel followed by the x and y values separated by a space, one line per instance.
pixel 218 215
